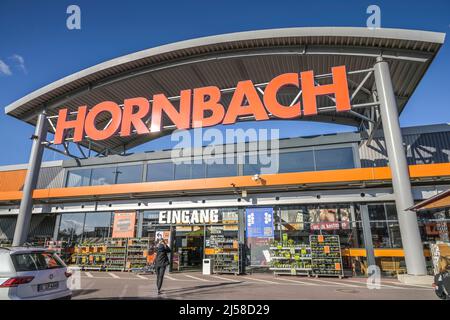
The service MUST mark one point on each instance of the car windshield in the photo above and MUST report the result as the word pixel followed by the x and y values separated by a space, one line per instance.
pixel 33 261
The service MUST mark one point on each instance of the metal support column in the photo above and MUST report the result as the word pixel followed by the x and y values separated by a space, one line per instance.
pixel 34 166
pixel 367 233
pixel 412 244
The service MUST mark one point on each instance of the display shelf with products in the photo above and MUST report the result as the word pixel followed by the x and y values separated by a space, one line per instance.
pixel 326 255
pixel 289 258
pixel 116 254
pixel 89 255
pixel 137 252
pixel 223 248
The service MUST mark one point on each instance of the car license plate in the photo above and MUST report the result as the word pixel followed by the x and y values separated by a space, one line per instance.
pixel 47 286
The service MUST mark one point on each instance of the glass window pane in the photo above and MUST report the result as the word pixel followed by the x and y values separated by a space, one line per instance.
pixel 71 227
pixel 338 158
pixel 222 169
pixel 129 174
pixel 78 178
pixel 253 164
pixel 190 171
pixel 380 235
pixel 296 161
pixel 103 176
pixel 376 212
pixel 182 171
pixel 391 212
pixel 160 171
pixel 97 225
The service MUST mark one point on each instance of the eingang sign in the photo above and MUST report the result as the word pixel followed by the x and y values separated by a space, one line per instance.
pixel 194 103
pixel 201 216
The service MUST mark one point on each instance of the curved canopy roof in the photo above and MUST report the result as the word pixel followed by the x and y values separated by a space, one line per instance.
pixel 223 60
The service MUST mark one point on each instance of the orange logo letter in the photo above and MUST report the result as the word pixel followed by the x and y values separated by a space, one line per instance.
pixel 129 118
pixel 245 89
pixel 77 125
pixel 270 96
pixel 111 128
pixel 212 104
pixel 339 88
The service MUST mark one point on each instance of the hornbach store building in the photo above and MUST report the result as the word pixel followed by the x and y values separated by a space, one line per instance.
pixel 357 186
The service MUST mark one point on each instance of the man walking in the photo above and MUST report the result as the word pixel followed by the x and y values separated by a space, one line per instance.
pixel 161 262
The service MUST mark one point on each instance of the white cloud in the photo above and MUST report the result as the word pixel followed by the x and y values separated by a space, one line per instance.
pixel 5 69
pixel 20 61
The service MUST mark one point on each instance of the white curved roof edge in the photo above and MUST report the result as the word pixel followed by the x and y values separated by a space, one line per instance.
pixel 386 33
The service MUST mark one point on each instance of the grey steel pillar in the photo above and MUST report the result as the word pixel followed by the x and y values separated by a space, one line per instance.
pixel 412 244
pixel 367 234
pixel 34 166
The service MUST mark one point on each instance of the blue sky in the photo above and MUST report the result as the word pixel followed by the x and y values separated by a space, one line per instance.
pixel 37 48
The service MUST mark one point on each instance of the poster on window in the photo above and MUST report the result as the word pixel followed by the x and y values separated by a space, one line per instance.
pixel 124 223
pixel 328 219
pixel 260 231
pixel 162 234
pixel 259 222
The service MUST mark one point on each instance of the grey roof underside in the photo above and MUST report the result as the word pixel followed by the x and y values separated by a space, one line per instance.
pixel 224 60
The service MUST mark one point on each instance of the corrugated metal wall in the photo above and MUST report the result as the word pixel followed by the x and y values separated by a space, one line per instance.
pixel 423 148
pixel 7 226
pixel 42 225
pixel 51 177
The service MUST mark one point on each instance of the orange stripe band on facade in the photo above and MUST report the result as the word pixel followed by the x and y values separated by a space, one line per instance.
pixel 314 177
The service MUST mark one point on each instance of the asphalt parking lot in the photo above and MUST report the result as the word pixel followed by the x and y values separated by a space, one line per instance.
pixel 194 285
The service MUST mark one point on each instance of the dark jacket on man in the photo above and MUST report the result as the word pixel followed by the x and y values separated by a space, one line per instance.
pixel 162 258
pixel 442 283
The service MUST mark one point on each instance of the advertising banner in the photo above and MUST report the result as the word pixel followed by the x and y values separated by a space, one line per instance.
pixel 259 222
pixel 124 223
pixel 260 231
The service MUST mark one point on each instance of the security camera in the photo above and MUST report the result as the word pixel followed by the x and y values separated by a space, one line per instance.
pixel 256 177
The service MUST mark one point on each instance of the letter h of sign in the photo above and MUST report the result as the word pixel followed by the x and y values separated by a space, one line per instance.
pixel 339 88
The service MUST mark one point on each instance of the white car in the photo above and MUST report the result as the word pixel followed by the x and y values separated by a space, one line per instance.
pixel 32 274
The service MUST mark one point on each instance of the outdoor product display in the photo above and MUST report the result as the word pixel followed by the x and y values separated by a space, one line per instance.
pixel 89 255
pixel 110 254
pixel 137 251
pixel 289 258
pixel 326 255
pixel 116 253
pixel 224 251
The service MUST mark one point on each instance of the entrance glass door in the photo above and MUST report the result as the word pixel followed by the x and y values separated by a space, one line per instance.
pixel 188 247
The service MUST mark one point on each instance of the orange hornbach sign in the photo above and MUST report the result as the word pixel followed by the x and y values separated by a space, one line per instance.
pixel 201 107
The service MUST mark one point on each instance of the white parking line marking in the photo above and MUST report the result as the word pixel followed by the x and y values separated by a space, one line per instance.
pixel 299 282
pixel 223 278
pixel 381 285
pixel 195 278
pixel 169 277
pixel 408 284
pixel 142 277
pixel 335 283
pixel 113 275
pixel 261 280
pixel 88 274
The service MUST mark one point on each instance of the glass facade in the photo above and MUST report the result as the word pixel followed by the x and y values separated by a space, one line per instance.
pixel 299 161
pixel 104 175
pixel 296 222
pixel 213 167
pixel 74 228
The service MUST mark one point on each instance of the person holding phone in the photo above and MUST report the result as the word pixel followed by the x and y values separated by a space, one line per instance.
pixel 161 262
